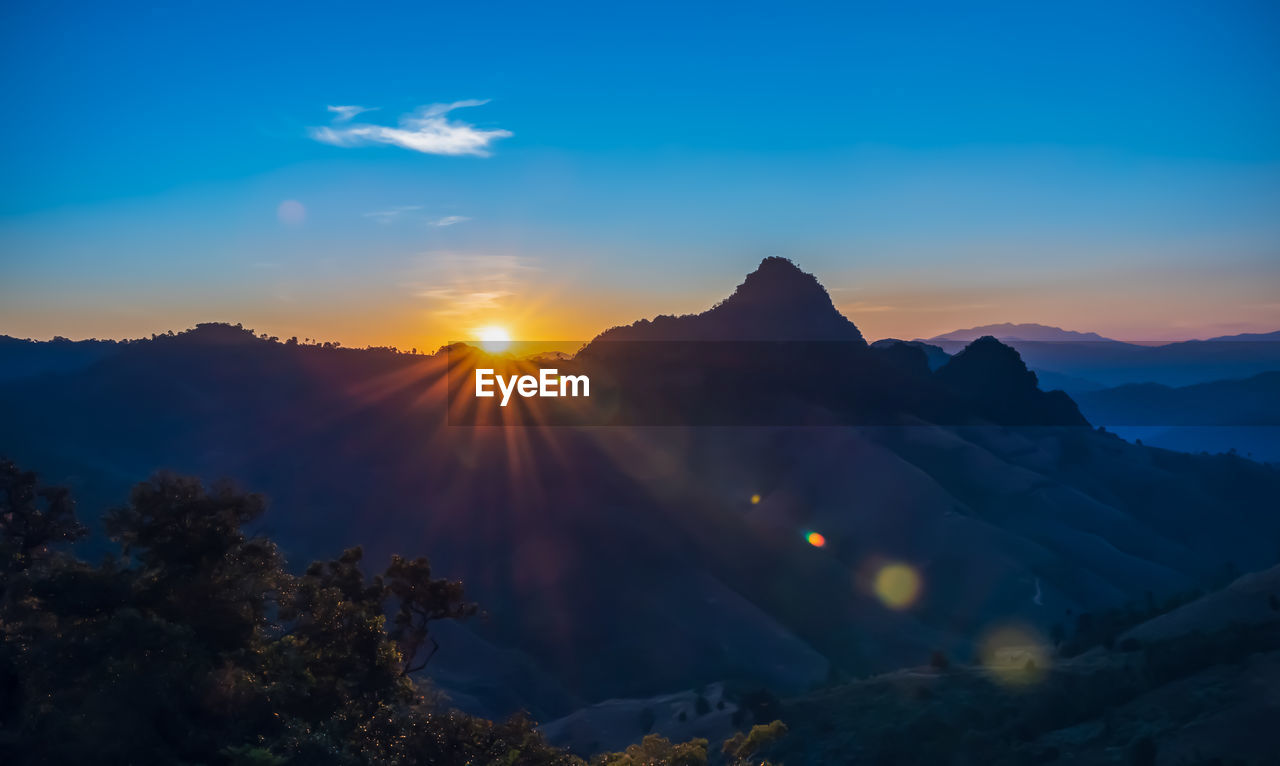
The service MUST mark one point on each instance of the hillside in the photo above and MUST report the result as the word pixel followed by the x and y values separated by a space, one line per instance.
pixel 1192 685
pixel 1252 401
pixel 631 562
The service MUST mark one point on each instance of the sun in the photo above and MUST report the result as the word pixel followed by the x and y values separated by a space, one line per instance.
pixel 494 339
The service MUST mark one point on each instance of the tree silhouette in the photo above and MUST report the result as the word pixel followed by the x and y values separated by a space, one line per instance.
pixel 194 644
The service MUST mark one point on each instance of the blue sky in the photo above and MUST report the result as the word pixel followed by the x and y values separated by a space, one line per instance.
pixel 1111 167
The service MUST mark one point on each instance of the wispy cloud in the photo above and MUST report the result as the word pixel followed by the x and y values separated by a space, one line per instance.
pixel 428 130
pixel 468 285
pixel 387 216
pixel 393 214
pixel 448 220
pixel 347 113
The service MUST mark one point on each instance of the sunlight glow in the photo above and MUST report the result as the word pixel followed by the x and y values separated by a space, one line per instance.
pixel 494 339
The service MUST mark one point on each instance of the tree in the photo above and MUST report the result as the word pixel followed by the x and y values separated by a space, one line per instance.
pixel 32 519
pixel 654 750
pixel 743 749
pixel 192 562
pixel 421 600
pixel 194 644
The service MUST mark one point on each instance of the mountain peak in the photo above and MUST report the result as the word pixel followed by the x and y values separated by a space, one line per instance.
pixel 778 284
pixel 776 302
pixel 219 334
pixel 993 377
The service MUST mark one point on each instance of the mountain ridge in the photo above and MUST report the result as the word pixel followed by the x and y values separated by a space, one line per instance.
pixel 596 550
pixel 775 302
pixel 1025 331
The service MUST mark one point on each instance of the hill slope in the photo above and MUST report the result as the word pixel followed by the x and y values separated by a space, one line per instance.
pixel 624 562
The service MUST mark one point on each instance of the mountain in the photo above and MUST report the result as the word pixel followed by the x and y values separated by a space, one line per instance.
pixel 1248 337
pixel 1194 684
pixel 993 376
pixel 1253 401
pixel 22 358
pixel 1238 416
pixel 935 356
pixel 1189 680
pixel 1081 362
pixel 778 352
pixel 632 562
pixel 776 302
pixel 1253 599
pixel 1014 332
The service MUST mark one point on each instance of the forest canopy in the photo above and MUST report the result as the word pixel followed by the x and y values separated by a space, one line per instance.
pixel 193 643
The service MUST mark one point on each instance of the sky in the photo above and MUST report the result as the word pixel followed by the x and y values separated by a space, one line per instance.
pixel 407 173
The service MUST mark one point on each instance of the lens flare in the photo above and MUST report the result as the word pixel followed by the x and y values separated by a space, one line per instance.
pixel 1015 655
pixel 897 585
pixel 291 212
pixel 755 499
pixel 815 539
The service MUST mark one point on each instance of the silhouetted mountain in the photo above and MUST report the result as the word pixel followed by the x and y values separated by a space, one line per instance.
pixel 1071 384
pixel 778 352
pixel 1025 331
pixel 21 358
pixel 934 355
pixel 776 302
pixel 992 375
pixel 630 562
pixel 213 334
pixel 1248 337
pixel 1078 363
pixel 1250 402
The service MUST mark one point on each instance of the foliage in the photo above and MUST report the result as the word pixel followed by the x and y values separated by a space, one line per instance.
pixel 654 750
pixel 744 748
pixel 32 518
pixel 195 645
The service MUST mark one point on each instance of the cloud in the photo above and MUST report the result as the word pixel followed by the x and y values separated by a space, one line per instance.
pixel 448 220
pixel 427 130
pixel 346 113
pixel 387 216
pixel 401 211
pixel 469 285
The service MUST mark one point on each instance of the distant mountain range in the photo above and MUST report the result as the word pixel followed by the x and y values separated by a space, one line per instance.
pixel 632 562
pixel 1253 401
pixel 1078 362
pixel 1029 331
pixel 1013 332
